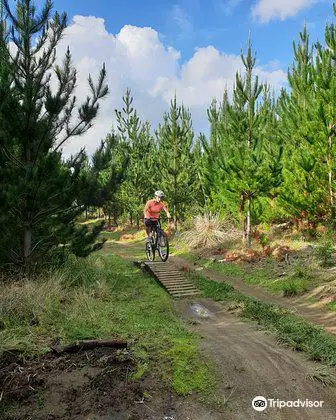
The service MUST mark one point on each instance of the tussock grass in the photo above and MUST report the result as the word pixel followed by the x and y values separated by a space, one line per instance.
pixel 324 250
pixel 322 374
pixel 208 231
pixel 103 297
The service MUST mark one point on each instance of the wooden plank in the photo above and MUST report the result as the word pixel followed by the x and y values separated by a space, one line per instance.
pixel 173 280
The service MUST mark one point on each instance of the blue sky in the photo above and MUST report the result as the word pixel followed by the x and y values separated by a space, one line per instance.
pixel 190 48
pixel 188 24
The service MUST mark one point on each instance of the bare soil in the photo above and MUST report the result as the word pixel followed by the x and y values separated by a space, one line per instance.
pixel 91 385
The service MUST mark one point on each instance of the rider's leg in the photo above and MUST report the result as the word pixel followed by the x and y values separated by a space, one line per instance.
pixel 148 232
pixel 148 226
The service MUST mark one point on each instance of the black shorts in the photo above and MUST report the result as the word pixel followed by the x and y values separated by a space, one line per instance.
pixel 151 223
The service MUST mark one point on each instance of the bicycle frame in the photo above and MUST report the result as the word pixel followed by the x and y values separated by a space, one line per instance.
pixel 156 236
pixel 156 231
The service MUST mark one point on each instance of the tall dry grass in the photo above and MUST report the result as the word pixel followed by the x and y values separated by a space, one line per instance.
pixel 209 231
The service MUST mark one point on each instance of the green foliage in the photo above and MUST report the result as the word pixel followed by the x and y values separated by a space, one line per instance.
pixel 141 173
pixel 293 286
pixel 39 190
pixel 325 250
pixel 249 154
pixel 307 119
pixel 331 306
pixel 177 168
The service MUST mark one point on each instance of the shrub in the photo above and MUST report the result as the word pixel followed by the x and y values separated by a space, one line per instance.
pixel 293 287
pixel 208 231
pixel 325 249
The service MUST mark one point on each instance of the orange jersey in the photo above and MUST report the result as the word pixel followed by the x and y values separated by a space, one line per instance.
pixel 153 209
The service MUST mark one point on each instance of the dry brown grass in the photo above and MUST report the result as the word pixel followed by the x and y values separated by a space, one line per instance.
pixel 208 231
pixel 325 375
pixel 25 298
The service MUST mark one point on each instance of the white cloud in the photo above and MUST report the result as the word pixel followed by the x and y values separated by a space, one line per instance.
pixel 266 10
pixel 228 6
pixel 136 58
pixel 181 18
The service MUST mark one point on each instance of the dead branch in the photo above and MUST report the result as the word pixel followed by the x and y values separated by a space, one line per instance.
pixel 89 345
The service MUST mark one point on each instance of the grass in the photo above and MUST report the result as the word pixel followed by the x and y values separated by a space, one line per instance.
pixel 331 306
pixel 298 279
pixel 126 235
pixel 323 375
pixel 91 221
pixel 288 328
pixel 104 297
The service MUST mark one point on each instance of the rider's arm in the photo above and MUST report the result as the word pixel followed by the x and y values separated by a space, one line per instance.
pixel 165 208
pixel 146 208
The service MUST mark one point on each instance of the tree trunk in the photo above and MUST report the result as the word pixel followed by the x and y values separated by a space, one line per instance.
pixel 27 243
pixel 138 221
pixel 131 219
pixel 242 216
pixel 203 193
pixel 174 208
pixel 115 219
pixel 331 193
pixel 175 217
pixel 248 222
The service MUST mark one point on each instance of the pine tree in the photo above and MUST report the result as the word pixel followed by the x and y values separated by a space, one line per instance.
pixel 325 91
pixel 110 164
pixel 36 121
pixel 217 198
pixel 138 141
pixel 251 162
pixel 177 170
pixel 303 192
pixel 202 190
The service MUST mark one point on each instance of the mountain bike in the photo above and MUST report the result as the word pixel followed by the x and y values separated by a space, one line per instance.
pixel 158 242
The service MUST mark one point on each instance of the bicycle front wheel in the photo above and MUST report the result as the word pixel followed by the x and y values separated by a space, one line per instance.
pixel 163 246
pixel 150 252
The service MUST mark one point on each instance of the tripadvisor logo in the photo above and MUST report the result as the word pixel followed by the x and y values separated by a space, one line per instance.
pixel 260 403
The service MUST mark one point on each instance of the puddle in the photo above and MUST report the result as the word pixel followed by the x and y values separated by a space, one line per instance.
pixel 201 311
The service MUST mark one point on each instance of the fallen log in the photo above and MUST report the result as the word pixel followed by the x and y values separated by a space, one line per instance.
pixel 89 345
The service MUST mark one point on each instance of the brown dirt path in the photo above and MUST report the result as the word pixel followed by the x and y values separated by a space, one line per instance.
pixel 310 312
pixel 250 363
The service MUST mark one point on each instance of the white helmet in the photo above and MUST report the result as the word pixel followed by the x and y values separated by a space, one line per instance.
pixel 159 193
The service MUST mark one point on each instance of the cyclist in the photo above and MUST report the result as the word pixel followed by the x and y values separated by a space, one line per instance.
pixel 152 212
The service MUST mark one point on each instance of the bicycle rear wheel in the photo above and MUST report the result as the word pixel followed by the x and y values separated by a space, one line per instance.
pixel 163 246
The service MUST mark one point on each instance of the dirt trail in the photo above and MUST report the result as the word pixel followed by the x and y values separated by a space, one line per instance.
pixel 310 312
pixel 250 363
